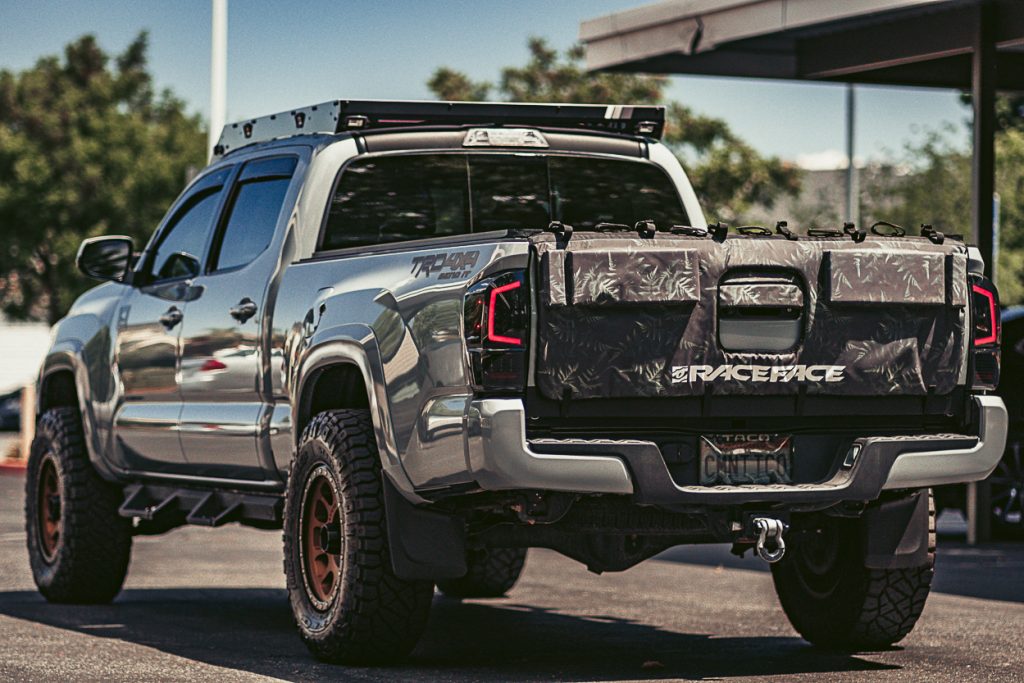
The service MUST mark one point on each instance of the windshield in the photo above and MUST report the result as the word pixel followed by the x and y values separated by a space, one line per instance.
pixel 395 198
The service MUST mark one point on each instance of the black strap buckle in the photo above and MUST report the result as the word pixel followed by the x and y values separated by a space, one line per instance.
pixel 931 233
pixel 782 227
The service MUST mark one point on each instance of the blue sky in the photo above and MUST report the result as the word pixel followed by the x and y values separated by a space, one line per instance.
pixel 286 54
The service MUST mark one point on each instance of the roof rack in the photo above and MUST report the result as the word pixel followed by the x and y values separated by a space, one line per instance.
pixel 339 116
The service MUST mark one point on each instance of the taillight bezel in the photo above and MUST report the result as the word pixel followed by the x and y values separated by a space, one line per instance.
pixel 496 327
pixel 985 341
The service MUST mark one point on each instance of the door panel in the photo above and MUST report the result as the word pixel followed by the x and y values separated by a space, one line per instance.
pixel 222 356
pixel 146 425
pixel 150 321
pixel 220 438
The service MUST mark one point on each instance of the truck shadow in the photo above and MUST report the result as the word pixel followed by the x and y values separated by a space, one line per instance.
pixel 990 571
pixel 251 630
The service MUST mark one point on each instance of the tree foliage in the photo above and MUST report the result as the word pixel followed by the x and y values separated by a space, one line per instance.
pixel 727 173
pixel 931 184
pixel 87 147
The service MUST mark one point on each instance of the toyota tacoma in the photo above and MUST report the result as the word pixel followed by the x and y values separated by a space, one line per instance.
pixel 423 337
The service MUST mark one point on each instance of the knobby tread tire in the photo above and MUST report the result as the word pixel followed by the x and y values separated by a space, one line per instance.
pixel 875 609
pixel 93 554
pixel 492 573
pixel 375 617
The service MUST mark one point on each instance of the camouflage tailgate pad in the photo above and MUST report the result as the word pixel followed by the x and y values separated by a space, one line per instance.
pixel 625 316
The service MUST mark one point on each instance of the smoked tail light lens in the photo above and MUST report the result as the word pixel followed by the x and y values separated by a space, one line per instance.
pixel 497 321
pixel 986 333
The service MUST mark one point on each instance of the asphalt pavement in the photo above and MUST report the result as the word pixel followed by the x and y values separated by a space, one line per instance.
pixel 202 604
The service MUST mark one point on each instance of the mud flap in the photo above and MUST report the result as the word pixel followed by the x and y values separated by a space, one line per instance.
pixel 423 545
pixel 896 533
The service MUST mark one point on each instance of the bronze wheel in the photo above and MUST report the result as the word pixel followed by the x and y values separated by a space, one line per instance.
pixel 348 604
pixel 321 538
pixel 78 544
pixel 48 509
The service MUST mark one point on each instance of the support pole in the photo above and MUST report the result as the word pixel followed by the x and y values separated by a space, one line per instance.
pixel 983 168
pixel 218 72
pixel 852 186
pixel 983 186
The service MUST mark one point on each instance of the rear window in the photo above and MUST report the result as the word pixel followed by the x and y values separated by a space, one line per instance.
pixel 396 198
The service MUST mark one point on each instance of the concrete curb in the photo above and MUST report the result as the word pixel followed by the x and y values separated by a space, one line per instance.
pixel 13 466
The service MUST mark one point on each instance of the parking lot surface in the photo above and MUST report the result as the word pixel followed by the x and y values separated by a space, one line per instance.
pixel 203 604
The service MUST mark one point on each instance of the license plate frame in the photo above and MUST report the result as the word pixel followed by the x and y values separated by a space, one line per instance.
pixel 746 459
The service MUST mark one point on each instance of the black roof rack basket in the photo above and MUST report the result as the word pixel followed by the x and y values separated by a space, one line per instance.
pixel 354 115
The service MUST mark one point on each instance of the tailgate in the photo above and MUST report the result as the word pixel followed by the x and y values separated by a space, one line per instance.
pixel 624 316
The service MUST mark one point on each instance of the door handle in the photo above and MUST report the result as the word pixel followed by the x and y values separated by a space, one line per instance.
pixel 171 318
pixel 245 309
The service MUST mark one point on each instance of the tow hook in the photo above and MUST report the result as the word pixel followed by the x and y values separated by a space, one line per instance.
pixel 769 532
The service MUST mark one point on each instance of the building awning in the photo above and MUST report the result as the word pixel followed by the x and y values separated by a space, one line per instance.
pixel 897 42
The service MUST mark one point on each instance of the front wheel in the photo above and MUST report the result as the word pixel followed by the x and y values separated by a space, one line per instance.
pixel 348 604
pixel 833 600
pixel 78 545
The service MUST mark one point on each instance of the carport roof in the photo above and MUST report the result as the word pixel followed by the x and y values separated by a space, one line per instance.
pixel 905 42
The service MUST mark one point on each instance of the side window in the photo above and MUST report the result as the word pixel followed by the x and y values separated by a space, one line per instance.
pixel 180 253
pixel 393 199
pixel 255 208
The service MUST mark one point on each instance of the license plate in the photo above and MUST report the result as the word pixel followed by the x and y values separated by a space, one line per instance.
pixel 737 459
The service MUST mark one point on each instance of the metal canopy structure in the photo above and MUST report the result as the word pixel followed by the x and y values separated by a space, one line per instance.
pixel 974 45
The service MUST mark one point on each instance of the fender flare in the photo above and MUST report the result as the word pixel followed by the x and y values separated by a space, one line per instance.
pixel 65 356
pixel 356 344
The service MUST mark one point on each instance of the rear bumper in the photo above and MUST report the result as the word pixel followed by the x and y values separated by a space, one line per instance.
pixel 501 458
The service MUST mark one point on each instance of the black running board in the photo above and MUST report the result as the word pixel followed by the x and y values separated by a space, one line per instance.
pixel 157 509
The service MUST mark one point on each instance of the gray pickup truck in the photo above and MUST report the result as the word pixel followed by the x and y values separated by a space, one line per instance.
pixel 422 337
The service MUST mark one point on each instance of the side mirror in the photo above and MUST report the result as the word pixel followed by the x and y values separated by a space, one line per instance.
pixel 106 258
pixel 179 264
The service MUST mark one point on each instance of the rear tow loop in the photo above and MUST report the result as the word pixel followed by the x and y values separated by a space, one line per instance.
pixel 769 532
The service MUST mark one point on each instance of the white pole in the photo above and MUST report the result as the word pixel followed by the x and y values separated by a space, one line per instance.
pixel 852 189
pixel 218 72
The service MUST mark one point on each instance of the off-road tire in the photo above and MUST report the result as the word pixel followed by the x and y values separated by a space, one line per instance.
pixel 88 561
pixel 851 607
pixel 492 573
pixel 372 616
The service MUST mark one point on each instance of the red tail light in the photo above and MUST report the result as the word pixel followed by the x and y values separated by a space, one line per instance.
pixel 492 309
pixel 986 325
pixel 496 320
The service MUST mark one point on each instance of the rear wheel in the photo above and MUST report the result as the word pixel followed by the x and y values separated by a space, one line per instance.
pixel 78 545
pixel 492 573
pixel 833 600
pixel 348 604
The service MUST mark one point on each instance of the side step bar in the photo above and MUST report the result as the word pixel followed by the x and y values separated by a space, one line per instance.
pixel 161 508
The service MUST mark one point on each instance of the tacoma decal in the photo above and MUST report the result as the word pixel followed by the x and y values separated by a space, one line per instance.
pixel 758 373
pixel 458 264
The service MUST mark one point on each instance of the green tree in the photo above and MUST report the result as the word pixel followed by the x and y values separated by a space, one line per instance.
pixel 87 147
pixel 727 173
pixel 1009 110
pixel 931 184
